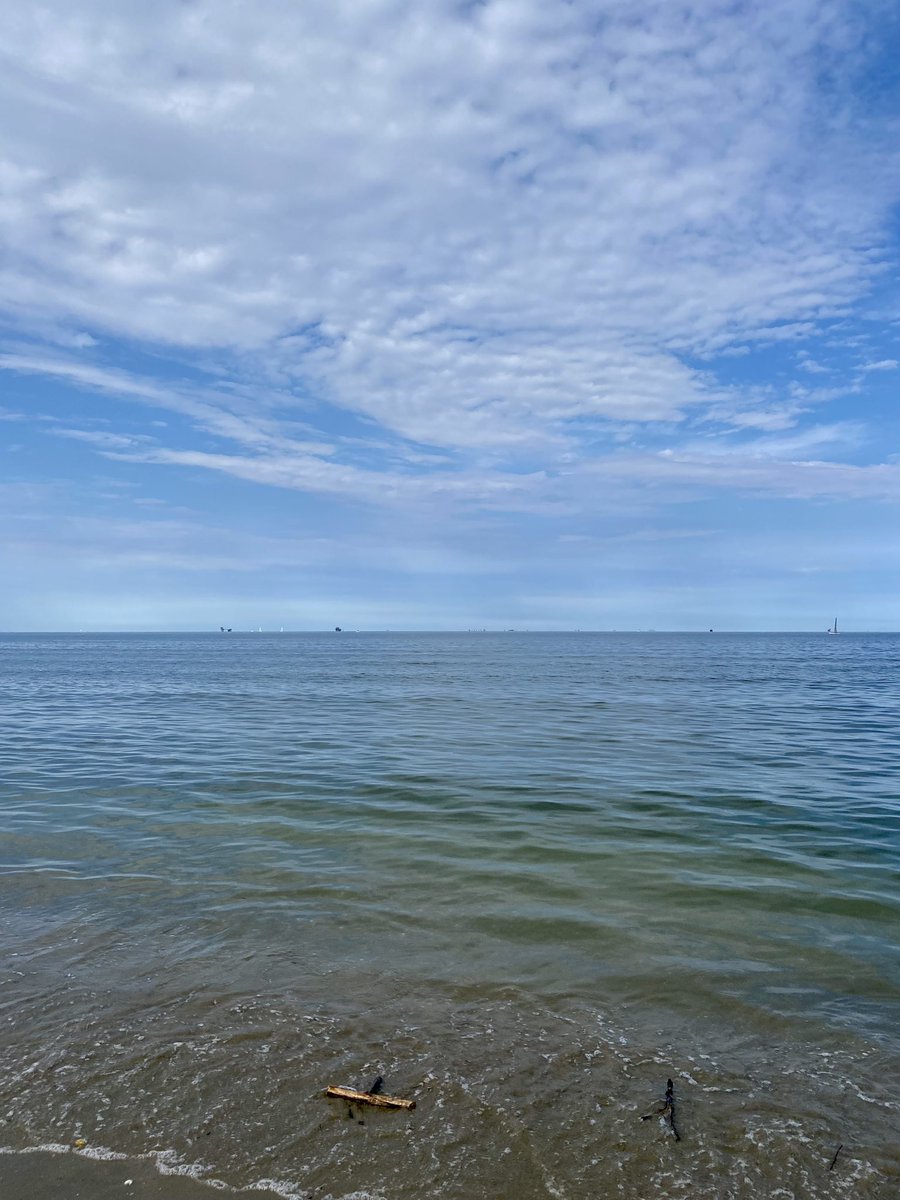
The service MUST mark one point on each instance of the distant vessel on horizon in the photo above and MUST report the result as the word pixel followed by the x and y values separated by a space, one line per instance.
pixel 834 627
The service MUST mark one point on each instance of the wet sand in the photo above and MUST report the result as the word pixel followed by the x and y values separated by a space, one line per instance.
pixel 47 1176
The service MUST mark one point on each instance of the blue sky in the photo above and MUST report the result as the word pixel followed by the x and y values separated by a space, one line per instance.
pixel 530 314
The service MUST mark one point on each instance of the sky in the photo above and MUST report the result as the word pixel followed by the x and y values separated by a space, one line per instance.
pixel 534 314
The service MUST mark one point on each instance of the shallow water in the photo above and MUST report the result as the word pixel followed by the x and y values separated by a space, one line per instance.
pixel 526 877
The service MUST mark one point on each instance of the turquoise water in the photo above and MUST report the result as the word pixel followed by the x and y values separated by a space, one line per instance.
pixel 526 877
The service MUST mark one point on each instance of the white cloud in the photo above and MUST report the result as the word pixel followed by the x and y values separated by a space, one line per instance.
pixel 214 412
pixel 473 225
pixel 796 446
pixel 688 475
pixel 104 439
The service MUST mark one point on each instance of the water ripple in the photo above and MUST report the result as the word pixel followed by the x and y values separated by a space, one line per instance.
pixel 451 857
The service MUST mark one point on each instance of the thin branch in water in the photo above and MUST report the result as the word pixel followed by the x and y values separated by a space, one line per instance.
pixel 668 1109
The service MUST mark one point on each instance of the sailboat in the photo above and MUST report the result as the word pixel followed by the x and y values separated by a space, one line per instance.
pixel 834 627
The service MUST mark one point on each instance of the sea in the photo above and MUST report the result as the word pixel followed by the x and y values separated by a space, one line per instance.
pixel 527 878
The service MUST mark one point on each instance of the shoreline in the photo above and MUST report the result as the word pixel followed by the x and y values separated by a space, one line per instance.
pixel 62 1173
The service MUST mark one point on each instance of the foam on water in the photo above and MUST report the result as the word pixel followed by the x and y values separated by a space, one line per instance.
pixel 169 1163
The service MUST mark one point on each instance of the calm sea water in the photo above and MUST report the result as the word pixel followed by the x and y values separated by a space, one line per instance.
pixel 525 877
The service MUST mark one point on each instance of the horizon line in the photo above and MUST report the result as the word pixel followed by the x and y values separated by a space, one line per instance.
pixel 454 630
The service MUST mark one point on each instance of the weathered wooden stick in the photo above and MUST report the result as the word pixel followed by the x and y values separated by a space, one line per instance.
pixel 345 1093
pixel 836 1153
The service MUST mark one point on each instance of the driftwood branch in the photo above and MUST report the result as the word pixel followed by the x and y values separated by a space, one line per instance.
pixel 836 1153
pixel 345 1093
pixel 667 1112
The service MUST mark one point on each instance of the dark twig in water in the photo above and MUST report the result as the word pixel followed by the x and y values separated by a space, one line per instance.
pixel 668 1110
pixel 836 1153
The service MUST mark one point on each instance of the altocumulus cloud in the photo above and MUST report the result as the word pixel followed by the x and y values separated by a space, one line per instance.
pixel 499 253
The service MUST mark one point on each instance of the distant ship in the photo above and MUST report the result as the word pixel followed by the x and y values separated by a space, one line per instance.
pixel 834 627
